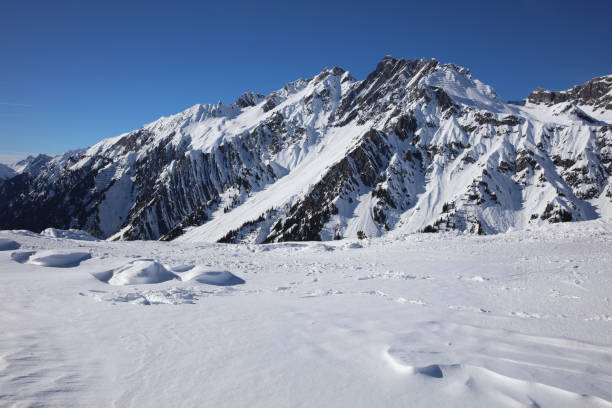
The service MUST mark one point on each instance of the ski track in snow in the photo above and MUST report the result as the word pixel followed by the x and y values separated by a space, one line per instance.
pixel 515 319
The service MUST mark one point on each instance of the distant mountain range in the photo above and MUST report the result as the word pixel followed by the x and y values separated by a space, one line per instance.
pixel 416 146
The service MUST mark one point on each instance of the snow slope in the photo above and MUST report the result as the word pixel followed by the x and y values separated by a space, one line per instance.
pixel 450 319
pixel 6 172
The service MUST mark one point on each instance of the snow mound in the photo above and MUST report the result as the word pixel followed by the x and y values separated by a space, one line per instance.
pixel 22 256
pixel 58 258
pixel 219 278
pixel 68 234
pixel 138 272
pixel 148 271
pixel 8 244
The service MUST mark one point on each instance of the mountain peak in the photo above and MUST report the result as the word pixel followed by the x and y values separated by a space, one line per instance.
pixel 249 99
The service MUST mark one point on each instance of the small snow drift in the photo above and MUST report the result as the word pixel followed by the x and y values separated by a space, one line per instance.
pixel 494 389
pixel 22 256
pixel 58 259
pixel 75 234
pixel 138 272
pixel 181 268
pixel 218 278
pixel 352 245
pixel 8 244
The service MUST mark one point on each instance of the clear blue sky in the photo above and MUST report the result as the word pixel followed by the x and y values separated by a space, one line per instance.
pixel 72 73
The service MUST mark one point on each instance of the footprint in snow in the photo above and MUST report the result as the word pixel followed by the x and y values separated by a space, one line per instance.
pixel 318 293
pixel 476 278
pixel 469 308
pixel 526 315
pixel 403 300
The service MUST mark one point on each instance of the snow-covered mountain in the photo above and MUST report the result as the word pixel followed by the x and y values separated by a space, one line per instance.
pixel 31 165
pixel 6 172
pixel 416 146
pixel 593 97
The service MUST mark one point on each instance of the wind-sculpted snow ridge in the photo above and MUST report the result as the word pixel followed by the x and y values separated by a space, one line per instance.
pixel 504 363
pixel 56 259
pixel 415 146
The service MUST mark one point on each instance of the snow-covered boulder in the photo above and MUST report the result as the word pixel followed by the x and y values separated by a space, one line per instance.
pixel 138 272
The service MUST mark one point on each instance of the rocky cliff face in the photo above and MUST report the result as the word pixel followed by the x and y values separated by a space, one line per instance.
pixel 595 92
pixel 416 146
pixel 593 96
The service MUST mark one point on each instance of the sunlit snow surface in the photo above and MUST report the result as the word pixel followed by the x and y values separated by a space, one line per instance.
pixel 516 319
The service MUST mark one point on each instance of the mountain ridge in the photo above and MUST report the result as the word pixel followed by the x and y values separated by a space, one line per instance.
pixel 415 146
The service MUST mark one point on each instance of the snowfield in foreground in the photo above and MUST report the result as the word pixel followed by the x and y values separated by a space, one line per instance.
pixel 516 319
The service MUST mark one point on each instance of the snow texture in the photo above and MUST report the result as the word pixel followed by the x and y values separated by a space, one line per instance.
pixel 451 319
